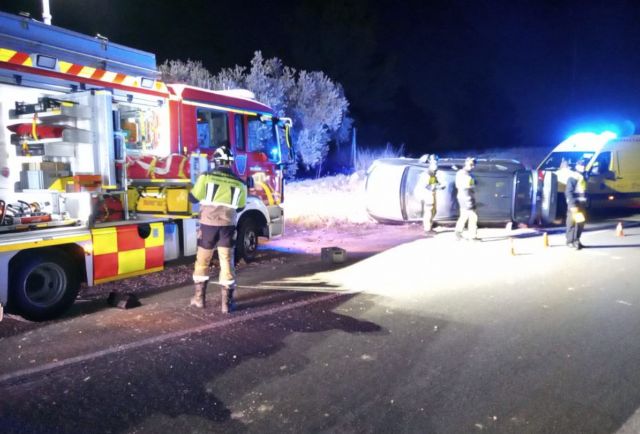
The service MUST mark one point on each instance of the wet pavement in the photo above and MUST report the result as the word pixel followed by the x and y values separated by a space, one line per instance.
pixel 428 335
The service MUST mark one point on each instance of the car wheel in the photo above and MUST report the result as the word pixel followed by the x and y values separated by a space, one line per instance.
pixel 43 285
pixel 247 241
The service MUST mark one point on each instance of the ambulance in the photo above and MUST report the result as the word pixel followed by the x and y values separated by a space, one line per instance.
pixel 612 170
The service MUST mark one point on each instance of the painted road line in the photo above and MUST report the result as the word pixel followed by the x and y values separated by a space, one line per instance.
pixel 23 373
pixel 325 289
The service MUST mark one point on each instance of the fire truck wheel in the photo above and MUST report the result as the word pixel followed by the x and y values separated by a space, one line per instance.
pixel 44 285
pixel 247 241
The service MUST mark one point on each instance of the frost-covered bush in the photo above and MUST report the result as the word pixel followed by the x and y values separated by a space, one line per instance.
pixel 316 103
pixel 190 72
pixel 365 157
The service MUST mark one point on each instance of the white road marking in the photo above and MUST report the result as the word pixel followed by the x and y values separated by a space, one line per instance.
pixel 328 289
pixel 19 374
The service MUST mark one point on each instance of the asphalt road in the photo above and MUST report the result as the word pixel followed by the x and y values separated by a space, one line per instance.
pixel 432 335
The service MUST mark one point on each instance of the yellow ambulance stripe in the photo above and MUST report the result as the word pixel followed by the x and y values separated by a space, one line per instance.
pixel 5 54
pixel 131 261
pixel 157 229
pixel 44 243
pixel 105 240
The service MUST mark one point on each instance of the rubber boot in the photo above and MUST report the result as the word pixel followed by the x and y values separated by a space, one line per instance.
pixel 198 299
pixel 227 304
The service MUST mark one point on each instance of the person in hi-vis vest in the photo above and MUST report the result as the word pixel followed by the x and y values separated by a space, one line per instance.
pixel 429 184
pixel 221 195
pixel 575 195
pixel 465 184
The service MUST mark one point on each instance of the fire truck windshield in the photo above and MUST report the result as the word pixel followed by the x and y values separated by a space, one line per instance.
pixel 263 138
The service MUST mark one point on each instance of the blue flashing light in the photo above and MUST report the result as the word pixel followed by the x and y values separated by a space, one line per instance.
pixel 592 139
pixel 608 135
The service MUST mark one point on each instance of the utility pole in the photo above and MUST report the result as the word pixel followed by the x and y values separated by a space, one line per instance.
pixel 46 12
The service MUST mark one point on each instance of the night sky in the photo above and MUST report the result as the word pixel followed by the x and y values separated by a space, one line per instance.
pixel 434 75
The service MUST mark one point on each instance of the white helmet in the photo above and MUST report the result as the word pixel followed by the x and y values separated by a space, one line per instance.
pixel 222 155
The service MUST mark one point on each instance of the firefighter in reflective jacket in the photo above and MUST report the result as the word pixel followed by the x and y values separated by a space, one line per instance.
pixel 465 183
pixel 221 195
pixel 575 195
pixel 429 182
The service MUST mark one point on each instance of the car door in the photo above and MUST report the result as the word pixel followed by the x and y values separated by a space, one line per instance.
pixel 414 192
pixel 524 197
pixel 548 197
pixel 494 192
pixel 447 203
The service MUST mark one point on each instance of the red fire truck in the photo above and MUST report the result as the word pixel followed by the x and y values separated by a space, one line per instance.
pixel 97 157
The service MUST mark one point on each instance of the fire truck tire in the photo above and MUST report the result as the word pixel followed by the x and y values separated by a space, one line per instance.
pixel 247 240
pixel 43 285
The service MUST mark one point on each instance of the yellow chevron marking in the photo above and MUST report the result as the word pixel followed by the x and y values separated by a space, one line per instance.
pixel 109 76
pixel 86 71
pixel 64 66
pixel 5 54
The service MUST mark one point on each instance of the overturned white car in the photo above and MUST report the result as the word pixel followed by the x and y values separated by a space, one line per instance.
pixel 505 191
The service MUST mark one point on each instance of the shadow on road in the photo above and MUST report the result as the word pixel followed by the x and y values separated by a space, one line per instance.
pixel 171 387
pixel 271 265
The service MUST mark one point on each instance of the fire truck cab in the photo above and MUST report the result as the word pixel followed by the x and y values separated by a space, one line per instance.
pixel 97 157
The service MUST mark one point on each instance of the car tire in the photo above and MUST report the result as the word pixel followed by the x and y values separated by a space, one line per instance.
pixel 247 240
pixel 43 285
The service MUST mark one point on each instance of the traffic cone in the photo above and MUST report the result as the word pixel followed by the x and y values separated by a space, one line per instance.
pixel 619 230
pixel 513 248
pixel 545 239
